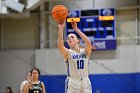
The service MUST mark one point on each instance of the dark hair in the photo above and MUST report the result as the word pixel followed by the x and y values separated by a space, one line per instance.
pixel 10 89
pixel 78 37
pixel 36 70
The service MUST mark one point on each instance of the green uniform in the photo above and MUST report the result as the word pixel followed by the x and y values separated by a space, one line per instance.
pixel 36 88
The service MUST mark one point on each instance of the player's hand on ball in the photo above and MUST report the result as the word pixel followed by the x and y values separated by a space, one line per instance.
pixel 60 21
pixel 61 25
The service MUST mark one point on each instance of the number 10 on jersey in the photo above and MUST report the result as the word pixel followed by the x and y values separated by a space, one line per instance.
pixel 80 64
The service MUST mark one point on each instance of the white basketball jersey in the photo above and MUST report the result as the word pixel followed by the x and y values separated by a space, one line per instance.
pixel 77 64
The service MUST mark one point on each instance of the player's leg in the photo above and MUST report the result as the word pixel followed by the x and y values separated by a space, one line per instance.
pixel 87 86
pixel 72 86
pixel 66 85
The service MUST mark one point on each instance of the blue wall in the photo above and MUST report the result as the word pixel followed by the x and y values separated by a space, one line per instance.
pixel 105 83
pixel 138 83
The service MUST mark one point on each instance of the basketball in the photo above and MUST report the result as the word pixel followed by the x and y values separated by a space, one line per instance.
pixel 59 13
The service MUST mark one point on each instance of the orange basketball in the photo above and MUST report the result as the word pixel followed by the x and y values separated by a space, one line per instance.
pixel 59 13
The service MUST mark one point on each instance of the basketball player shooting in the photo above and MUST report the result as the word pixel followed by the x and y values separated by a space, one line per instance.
pixel 76 59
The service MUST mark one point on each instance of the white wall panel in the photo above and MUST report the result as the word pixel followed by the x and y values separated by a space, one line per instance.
pixel 138 58
pixel 14 64
pixel 124 61
pixel 126 27
pixel 113 3
pixel 50 61
pixel 81 4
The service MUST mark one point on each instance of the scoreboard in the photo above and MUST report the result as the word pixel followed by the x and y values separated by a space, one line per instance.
pixel 97 24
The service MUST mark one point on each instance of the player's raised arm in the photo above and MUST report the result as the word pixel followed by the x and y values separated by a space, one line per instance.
pixel 61 46
pixel 88 46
